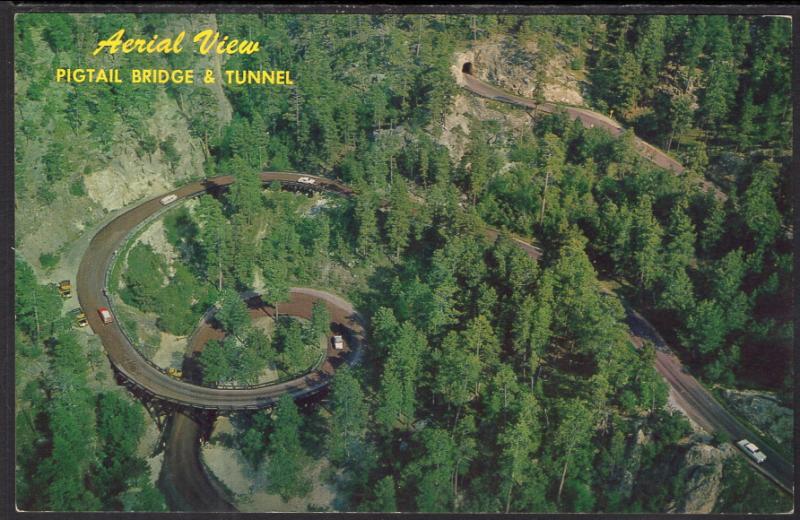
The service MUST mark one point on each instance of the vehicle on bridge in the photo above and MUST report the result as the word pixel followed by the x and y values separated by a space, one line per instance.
pixel 307 180
pixel 752 451
pixel 105 315
pixel 169 199
pixel 65 288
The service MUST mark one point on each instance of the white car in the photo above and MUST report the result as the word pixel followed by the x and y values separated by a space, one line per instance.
pixel 307 180
pixel 752 451
pixel 169 199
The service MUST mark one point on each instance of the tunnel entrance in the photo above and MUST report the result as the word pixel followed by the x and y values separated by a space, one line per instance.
pixel 467 68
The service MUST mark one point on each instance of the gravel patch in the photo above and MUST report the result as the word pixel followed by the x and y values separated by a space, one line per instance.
pixel 170 351
pixel 249 485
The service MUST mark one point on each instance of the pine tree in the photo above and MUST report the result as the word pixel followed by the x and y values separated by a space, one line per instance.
pixel 276 281
pixel 349 417
pixel 457 371
pixel 520 441
pixel 430 475
pixel 398 222
pixel 213 230
pixel 646 244
pixel 760 212
pixel 573 434
pixel 245 194
pixel 397 396
pixel 680 238
pixel 286 458
pixel 233 314
pixel 366 220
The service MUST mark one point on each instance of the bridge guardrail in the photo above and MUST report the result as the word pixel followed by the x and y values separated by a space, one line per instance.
pixel 110 299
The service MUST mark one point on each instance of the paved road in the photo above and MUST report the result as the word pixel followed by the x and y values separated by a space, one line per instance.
pixel 184 480
pixel 182 454
pixel 692 396
pixel 701 406
pixel 185 484
pixel 142 374
pixel 589 119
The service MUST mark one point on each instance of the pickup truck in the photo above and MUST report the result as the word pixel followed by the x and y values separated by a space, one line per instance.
pixel 338 342
pixel 306 180
pixel 752 451
pixel 169 199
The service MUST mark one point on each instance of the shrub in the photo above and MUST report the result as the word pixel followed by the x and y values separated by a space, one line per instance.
pixel 49 260
pixel 77 189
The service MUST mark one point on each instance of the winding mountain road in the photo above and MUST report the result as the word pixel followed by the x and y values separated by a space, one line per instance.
pixel 588 118
pixel 194 489
pixel 139 372
pixel 691 396
pixel 184 481
pixel 703 408
pixel 187 486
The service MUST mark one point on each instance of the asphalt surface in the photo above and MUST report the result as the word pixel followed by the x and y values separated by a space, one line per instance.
pixel 701 406
pixel 689 393
pixel 186 485
pixel 184 481
pixel 148 378
pixel 191 488
pixel 588 118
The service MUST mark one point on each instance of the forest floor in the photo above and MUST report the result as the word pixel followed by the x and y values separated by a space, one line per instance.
pixel 266 325
pixel 170 351
pixel 249 484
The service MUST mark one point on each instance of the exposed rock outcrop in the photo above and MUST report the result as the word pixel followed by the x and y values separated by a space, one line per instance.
pixel 511 64
pixel 129 177
pixel 465 107
pixel 764 411
pixel 702 466
pixel 508 63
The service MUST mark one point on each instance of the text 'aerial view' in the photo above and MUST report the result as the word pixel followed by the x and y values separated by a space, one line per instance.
pixel 403 263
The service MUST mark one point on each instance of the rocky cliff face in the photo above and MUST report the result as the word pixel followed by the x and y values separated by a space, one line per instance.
pixel 66 224
pixel 127 176
pixel 130 175
pixel 702 466
pixel 765 412
pixel 467 107
pixel 634 459
pixel 511 64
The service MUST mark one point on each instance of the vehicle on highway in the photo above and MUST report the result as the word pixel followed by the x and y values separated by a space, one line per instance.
pixel 307 180
pixel 80 317
pixel 65 288
pixel 105 315
pixel 338 342
pixel 752 451
pixel 169 199
pixel 174 372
